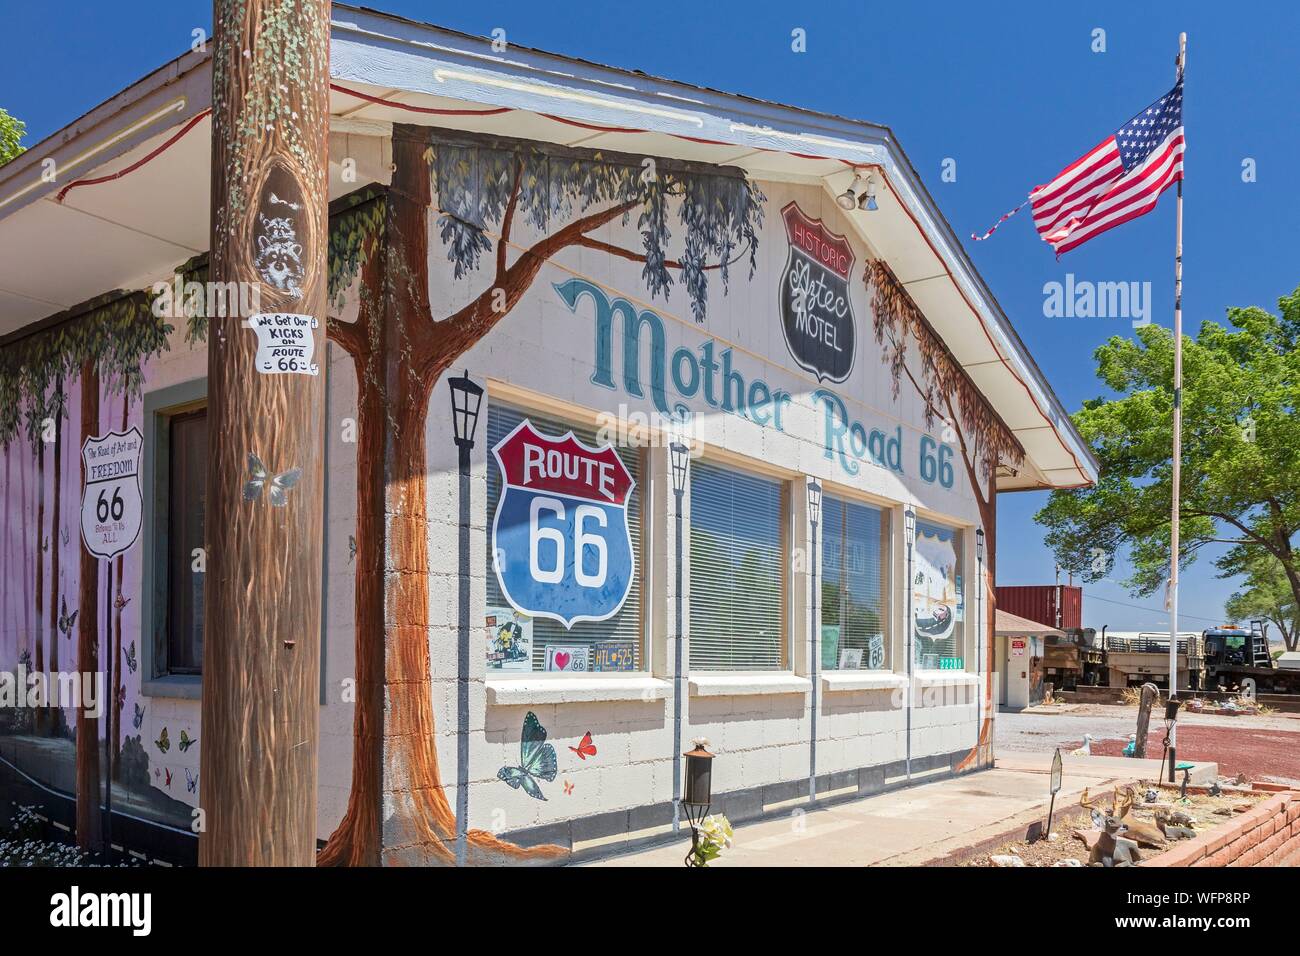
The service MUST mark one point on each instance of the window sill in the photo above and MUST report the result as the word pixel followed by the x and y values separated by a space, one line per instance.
pixel 861 680
pixel 744 685
pixel 541 689
pixel 178 686
pixel 946 678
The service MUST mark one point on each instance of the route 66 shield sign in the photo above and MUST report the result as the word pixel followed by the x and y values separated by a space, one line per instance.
pixel 560 540
pixel 112 504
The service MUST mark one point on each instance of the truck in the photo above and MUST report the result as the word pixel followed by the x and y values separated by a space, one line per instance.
pixel 1238 658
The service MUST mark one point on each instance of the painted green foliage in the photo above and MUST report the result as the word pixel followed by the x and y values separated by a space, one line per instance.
pixel 721 214
pixel 1241 452
pixel 120 336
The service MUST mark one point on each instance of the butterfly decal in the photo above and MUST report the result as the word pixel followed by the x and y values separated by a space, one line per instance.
pixel 131 661
pixel 280 484
pixel 45 543
pixel 537 760
pixel 162 743
pixel 66 620
pixel 585 747
pixel 186 741
pixel 138 719
pixel 64 536
pixel 191 781
pixel 352 548
pixel 169 776
pixel 120 602
pixel 568 788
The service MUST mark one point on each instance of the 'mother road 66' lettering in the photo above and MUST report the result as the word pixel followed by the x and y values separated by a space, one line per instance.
pixel 560 539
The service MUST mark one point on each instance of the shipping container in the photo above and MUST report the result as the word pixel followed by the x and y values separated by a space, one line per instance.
pixel 1056 605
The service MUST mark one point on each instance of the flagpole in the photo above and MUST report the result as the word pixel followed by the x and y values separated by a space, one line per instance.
pixel 1178 445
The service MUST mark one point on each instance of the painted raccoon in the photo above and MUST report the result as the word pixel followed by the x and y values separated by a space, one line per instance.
pixel 279 256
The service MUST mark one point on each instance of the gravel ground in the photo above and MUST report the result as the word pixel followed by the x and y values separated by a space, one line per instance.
pixel 1263 748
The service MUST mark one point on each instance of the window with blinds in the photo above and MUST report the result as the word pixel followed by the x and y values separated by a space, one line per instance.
pixel 854 585
pixel 938 597
pixel 738 564
pixel 517 642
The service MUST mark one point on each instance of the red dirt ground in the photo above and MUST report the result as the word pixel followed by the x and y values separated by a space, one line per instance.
pixel 1264 755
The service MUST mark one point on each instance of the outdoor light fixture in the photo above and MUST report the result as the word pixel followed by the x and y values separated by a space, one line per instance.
pixel 814 502
pixel 867 200
pixel 1171 749
pixel 909 526
pixel 699 792
pixel 849 198
pixel 979 544
pixel 466 397
pixel 681 456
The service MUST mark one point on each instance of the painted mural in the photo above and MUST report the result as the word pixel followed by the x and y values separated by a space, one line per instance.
pixel 658 291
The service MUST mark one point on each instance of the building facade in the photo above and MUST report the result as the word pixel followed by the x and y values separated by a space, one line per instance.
pixel 729 443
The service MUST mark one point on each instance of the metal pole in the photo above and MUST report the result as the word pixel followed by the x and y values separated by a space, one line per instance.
pixel 1178 442
pixel 108 715
pixel 815 651
pixel 677 680
pixel 462 676
pixel 907 646
pixel 979 634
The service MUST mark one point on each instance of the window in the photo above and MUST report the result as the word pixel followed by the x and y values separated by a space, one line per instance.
pixel 938 599
pixel 517 641
pixel 187 477
pixel 854 585
pixel 737 553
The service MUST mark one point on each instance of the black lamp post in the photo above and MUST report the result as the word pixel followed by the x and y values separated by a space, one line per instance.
pixel 909 536
pixel 979 634
pixel 466 398
pixel 679 463
pixel 699 793
pixel 815 644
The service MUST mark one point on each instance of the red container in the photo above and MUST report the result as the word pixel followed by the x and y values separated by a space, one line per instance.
pixel 1056 605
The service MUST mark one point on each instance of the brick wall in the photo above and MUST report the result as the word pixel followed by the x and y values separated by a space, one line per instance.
pixel 1265 835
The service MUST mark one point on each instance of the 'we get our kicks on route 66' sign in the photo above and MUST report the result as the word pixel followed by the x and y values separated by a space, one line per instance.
pixel 112 503
pixel 560 539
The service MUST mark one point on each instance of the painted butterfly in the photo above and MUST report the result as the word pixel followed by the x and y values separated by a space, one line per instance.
pixel 186 741
pixel 66 620
pixel 537 760
pixel 169 776
pixel 568 788
pixel 585 747
pixel 191 781
pixel 280 484
pixel 131 661
pixel 138 719
pixel 162 743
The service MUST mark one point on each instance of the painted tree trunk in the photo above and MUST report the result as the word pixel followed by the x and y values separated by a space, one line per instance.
pixel 42 713
pixel 57 720
pixel 89 818
pixel 263 529
pixel 357 839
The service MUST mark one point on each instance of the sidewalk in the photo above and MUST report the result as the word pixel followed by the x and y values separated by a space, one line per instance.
pixel 911 826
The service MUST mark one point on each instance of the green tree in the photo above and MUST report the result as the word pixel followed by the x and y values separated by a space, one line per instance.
pixel 11 134
pixel 1267 594
pixel 1241 452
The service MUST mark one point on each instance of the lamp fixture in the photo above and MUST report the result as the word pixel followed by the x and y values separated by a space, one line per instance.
pixel 909 525
pixel 979 544
pixel 849 198
pixel 466 397
pixel 867 201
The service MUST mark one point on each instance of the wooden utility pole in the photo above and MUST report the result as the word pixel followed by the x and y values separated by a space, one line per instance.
pixel 89 817
pixel 266 390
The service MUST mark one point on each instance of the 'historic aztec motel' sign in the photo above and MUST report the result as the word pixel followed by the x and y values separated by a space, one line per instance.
pixel 705 384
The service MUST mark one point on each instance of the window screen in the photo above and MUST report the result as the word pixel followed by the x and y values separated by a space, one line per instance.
pixel 737 570
pixel 854 585
pixel 938 597
pixel 518 642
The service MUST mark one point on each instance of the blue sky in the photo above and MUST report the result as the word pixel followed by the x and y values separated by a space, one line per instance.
pixel 1011 92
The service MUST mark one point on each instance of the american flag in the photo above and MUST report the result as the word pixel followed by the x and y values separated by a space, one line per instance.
pixel 1119 179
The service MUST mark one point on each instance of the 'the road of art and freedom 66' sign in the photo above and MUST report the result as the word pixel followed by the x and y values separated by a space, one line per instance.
pixel 560 538
pixel 816 312
pixel 112 502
